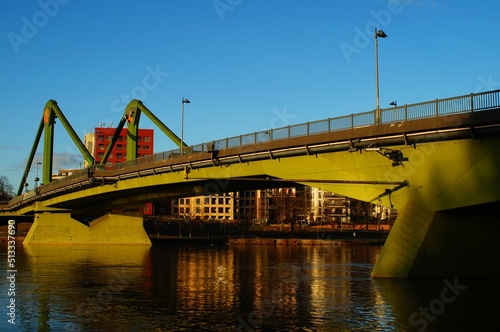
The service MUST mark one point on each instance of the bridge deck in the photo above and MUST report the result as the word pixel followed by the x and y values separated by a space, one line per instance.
pixel 462 117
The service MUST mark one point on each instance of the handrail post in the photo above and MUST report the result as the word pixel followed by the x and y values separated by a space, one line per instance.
pixel 437 108
pixel 472 102
pixel 352 121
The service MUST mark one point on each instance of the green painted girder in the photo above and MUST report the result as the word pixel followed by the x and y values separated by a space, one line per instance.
pixel 132 116
pixel 50 113
pixel 139 106
pixel 30 158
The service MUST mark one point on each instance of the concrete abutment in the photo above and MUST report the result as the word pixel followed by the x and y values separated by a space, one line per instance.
pixel 112 228
pixel 436 244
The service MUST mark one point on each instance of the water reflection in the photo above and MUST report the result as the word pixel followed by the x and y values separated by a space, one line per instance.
pixel 246 288
pixel 72 287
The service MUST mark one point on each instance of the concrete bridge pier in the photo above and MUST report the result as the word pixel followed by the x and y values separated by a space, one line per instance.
pixel 428 244
pixel 55 226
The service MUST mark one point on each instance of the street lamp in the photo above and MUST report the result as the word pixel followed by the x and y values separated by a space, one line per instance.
pixel 184 101
pixel 37 178
pixel 377 34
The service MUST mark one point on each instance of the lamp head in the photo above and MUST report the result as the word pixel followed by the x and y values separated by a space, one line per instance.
pixel 381 34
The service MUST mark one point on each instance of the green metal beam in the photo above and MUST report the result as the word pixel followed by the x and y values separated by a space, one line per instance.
pixel 49 120
pixel 80 146
pixel 133 114
pixel 173 137
pixel 113 141
pixel 50 112
pixel 31 157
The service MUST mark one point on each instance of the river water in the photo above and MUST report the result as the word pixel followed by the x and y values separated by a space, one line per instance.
pixel 231 288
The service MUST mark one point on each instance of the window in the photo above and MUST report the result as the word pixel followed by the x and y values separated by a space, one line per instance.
pixel 119 156
pixel 198 201
pixel 205 200
pixel 214 200
pixel 146 139
pixel 119 147
pixel 187 201
pixel 206 209
pixel 100 138
pixel 181 201
pixel 221 210
pixel 221 200
pixel 213 210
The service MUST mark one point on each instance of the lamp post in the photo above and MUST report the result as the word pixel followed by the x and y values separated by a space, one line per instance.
pixel 37 178
pixel 381 34
pixel 184 101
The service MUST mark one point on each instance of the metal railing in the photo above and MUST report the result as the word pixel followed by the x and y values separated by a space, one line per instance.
pixel 439 107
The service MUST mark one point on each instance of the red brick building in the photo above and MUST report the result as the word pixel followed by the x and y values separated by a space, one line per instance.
pixel 98 141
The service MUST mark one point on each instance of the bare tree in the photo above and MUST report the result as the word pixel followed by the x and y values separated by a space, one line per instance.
pixel 288 206
pixel 6 189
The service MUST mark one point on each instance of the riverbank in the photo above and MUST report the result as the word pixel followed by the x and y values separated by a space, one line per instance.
pixel 336 238
pixel 302 242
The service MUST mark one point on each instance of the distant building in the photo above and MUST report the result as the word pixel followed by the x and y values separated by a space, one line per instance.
pixel 207 208
pixel 97 142
pixel 327 206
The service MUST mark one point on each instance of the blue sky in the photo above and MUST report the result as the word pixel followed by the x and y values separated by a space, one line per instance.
pixel 246 65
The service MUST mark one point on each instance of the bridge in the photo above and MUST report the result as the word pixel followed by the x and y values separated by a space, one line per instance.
pixel 437 162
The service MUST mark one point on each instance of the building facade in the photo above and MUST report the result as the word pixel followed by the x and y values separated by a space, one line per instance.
pixel 207 208
pixel 97 142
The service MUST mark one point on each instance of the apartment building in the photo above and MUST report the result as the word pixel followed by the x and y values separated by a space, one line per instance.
pixel 97 142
